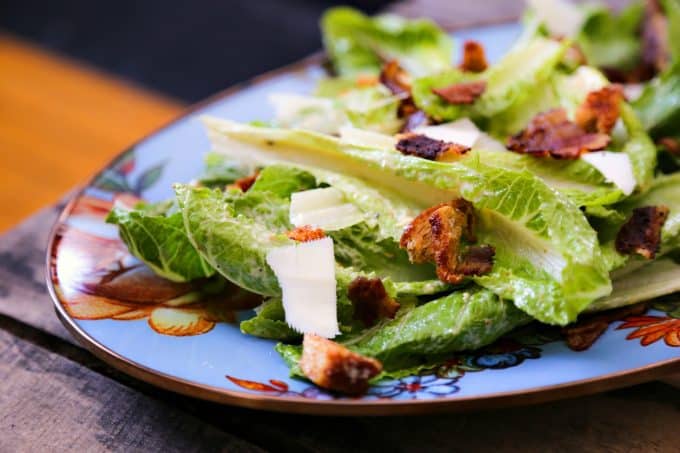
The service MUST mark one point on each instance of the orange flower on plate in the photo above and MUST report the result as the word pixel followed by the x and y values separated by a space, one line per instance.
pixel 650 329
pixel 96 278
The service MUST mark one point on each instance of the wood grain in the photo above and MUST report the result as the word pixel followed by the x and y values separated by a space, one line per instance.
pixel 50 403
pixel 61 121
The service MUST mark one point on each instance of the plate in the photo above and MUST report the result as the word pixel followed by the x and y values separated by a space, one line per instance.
pixel 162 333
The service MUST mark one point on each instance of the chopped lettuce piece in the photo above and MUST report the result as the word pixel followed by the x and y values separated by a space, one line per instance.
pixel 361 248
pixel 639 147
pixel 220 171
pixel 611 40
pixel 234 242
pixel 509 82
pixel 659 105
pixel 464 320
pixel 358 44
pixel 270 322
pixel 641 283
pixel 371 108
pixel 154 233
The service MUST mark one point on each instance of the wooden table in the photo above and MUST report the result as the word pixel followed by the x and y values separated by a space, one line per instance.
pixel 60 121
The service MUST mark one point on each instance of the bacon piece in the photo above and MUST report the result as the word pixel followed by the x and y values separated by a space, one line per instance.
pixel 641 234
pixel 245 183
pixel 395 78
pixel 670 144
pixel 334 367
pixel 582 334
pixel 414 120
pixel 600 110
pixel 435 236
pixel 429 148
pixel 305 233
pixel 371 301
pixel 461 93
pixel 474 57
pixel 477 260
pixel 552 134
pixel 655 46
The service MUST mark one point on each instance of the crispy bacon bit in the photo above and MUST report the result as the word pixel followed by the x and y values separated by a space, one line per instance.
pixel 670 144
pixel 395 78
pixel 655 45
pixel 414 120
pixel 371 301
pixel 477 260
pixel 334 367
pixel 582 334
pixel 461 93
pixel 474 57
pixel 600 110
pixel 435 236
pixel 641 234
pixel 305 233
pixel 429 148
pixel 552 134
pixel 245 183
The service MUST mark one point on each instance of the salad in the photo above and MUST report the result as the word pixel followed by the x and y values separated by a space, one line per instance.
pixel 416 204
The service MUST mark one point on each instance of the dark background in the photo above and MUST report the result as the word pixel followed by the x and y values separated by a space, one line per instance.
pixel 187 49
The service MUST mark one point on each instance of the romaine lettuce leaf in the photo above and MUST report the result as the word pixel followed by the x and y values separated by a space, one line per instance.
pixel 639 147
pixel 464 320
pixel 641 283
pixel 358 44
pixel 372 108
pixel 220 171
pixel 609 40
pixel 509 82
pixel 154 233
pixel 659 105
pixel 537 231
pixel 270 322
pixel 234 242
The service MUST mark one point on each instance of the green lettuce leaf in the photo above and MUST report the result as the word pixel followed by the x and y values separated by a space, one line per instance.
pixel 536 231
pixel 220 171
pixel 609 40
pixel 509 82
pixel 154 233
pixel 358 44
pixel 659 105
pixel 372 108
pixel 639 147
pixel 464 320
pixel 270 322
pixel 640 283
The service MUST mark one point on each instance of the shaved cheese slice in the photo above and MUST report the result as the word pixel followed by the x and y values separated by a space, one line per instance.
pixel 462 131
pixel 615 167
pixel 323 208
pixel 368 139
pixel 562 18
pixel 306 275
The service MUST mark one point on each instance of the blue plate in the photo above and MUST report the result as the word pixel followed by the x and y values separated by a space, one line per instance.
pixel 168 334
